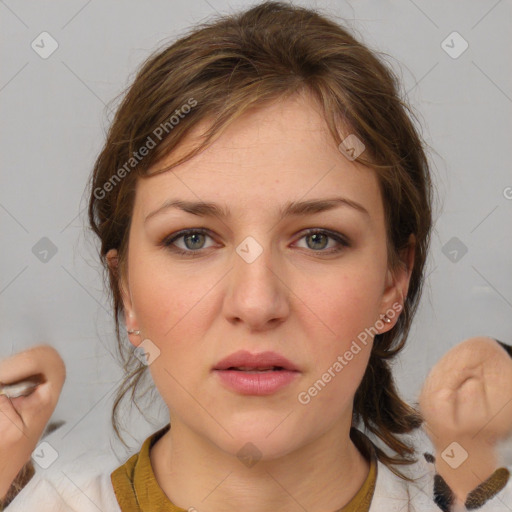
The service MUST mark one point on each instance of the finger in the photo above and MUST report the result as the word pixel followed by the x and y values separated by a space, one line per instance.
pixel 471 407
pixel 11 424
pixel 41 359
pixel 32 412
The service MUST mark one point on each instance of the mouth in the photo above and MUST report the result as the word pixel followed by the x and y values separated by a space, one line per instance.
pixel 257 370
pixel 244 361
pixel 256 374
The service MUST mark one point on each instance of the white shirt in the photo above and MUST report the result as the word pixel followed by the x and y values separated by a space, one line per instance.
pixel 84 485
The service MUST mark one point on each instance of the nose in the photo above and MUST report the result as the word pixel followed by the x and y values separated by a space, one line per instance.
pixel 258 292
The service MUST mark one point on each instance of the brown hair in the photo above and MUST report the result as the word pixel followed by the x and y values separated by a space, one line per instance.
pixel 219 70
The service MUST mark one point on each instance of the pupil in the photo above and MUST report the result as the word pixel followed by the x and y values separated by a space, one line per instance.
pixel 315 237
pixel 194 236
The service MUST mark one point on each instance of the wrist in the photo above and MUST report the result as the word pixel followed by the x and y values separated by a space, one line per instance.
pixel 465 465
pixel 20 480
pixel 6 481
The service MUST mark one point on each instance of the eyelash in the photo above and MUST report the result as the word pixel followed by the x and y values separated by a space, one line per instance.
pixel 168 241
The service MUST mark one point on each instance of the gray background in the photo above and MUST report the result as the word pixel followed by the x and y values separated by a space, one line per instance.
pixel 54 117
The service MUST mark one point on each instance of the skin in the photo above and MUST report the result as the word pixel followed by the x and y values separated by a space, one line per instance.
pixel 23 419
pixel 466 398
pixel 292 299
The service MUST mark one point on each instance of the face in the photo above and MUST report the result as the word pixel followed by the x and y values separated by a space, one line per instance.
pixel 304 285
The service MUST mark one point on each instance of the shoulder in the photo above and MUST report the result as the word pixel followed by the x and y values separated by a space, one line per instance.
pixel 394 494
pixel 50 494
pixel 82 485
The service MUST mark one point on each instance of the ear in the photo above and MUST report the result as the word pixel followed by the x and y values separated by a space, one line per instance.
pixel 397 285
pixel 129 314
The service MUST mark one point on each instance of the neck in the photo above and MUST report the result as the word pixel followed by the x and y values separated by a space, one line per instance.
pixel 196 474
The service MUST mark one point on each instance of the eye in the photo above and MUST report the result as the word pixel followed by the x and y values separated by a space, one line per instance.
pixel 317 240
pixel 192 238
pixel 193 241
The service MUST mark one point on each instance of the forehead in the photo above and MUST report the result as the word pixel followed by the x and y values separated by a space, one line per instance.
pixel 268 156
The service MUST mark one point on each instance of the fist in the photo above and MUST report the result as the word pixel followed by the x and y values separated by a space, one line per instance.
pixel 468 394
pixel 23 419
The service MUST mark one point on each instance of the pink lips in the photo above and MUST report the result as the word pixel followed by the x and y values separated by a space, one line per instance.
pixel 256 374
pixel 243 358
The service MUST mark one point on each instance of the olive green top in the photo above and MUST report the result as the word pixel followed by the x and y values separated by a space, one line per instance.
pixel 137 489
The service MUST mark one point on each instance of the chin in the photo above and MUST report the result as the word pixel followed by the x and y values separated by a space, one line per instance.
pixel 249 451
pixel 261 440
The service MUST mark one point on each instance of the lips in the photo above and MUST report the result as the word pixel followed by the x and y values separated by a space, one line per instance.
pixel 260 374
pixel 262 362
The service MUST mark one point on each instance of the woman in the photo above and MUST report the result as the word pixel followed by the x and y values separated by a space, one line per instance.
pixel 263 204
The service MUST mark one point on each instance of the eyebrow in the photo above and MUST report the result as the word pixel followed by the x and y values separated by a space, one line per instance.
pixel 292 208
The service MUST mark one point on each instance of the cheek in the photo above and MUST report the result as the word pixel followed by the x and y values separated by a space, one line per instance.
pixel 169 311
pixel 340 336
pixel 340 308
pixel 166 301
pixel 332 389
pixel 174 311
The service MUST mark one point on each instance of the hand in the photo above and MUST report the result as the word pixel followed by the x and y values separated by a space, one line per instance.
pixel 467 399
pixel 23 419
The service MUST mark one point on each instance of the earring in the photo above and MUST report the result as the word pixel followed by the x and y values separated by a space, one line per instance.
pixel 132 331
pixel 386 319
